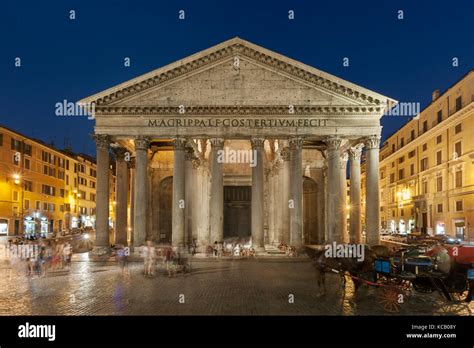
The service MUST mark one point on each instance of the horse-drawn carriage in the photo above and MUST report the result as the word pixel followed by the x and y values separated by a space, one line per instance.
pixel 425 271
pixel 448 270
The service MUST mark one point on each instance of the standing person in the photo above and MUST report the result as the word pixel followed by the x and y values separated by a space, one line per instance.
pixel 237 250
pixel 144 251
pixel 55 257
pixel 169 259
pixel 67 254
pixel 193 247
pixel 148 259
pixel 41 268
pixel 214 249
pixel 59 250
pixel 122 259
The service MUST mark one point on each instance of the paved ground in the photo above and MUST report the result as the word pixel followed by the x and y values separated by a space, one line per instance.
pixel 239 287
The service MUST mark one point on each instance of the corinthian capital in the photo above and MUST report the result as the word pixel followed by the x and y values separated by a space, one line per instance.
pixel 142 143
pixel 333 143
pixel 217 143
pixel 102 140
pixel 179 143
pixel 257 143
pixel 355 152
pixel 189 154
pixel 119 153
pixel 296 142
pixel 285 153
pixel 372 142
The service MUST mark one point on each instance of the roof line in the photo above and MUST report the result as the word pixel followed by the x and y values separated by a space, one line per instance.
pixel 235 40
pixel 65 152
pixel 432 102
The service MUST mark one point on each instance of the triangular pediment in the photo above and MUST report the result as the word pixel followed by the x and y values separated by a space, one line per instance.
pixel 237 73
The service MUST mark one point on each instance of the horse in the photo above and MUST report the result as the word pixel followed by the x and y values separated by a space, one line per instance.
pixel 357 269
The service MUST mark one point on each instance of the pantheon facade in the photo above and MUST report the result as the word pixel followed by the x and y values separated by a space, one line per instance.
pixel 175 133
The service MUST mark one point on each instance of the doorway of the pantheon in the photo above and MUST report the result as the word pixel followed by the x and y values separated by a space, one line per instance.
pixel 309 211
pixel 237 202
pixel 165 202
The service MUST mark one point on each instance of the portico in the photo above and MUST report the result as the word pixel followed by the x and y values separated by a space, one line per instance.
pixel 302 125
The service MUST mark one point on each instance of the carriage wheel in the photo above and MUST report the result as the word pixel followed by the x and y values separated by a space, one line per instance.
pixel 388 299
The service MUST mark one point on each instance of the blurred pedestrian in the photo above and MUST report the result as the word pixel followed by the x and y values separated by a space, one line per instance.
pixel 122 258
pixel 148 259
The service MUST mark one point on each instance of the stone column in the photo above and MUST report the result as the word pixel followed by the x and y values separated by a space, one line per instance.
pixel 179 204
pixel 334 204
pixel 257 194
pixel 203 201
pixel 132 200
pixel 320 199
pixel 326 200
pixel 190 188
pixel 141 191
pixel 372 196
pixel 296 192
pixel 102 242
pixel 354 220
pixel 285 193
pixel 217 193
pixel 121 191
pixel 343 198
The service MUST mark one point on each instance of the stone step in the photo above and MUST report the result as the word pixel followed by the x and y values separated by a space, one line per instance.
pixel 273 250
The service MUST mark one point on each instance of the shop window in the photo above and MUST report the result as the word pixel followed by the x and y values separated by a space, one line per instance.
pixel 3 226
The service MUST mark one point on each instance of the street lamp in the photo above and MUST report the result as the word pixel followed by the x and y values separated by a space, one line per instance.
pixel 16 179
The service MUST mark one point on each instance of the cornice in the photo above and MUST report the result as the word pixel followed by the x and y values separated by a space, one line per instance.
pixel 206 110
pixel 431 133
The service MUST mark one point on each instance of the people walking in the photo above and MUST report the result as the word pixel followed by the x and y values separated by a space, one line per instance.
pixel 148 259
pixel 67 255
pixel 122 258
pixel 170 262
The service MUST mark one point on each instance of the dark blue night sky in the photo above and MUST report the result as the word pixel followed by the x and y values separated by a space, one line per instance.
pixel 63 59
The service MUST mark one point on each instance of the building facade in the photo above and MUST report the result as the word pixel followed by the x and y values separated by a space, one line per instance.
pixel 44 189
pixel 427 170
pixel 177 132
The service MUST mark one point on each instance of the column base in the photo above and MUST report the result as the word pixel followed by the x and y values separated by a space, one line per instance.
pixel 259 250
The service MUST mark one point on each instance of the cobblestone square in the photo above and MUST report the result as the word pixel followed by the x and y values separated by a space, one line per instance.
pixel 260 286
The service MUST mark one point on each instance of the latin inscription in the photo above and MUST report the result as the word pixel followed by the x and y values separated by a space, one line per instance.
pixel 237 122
